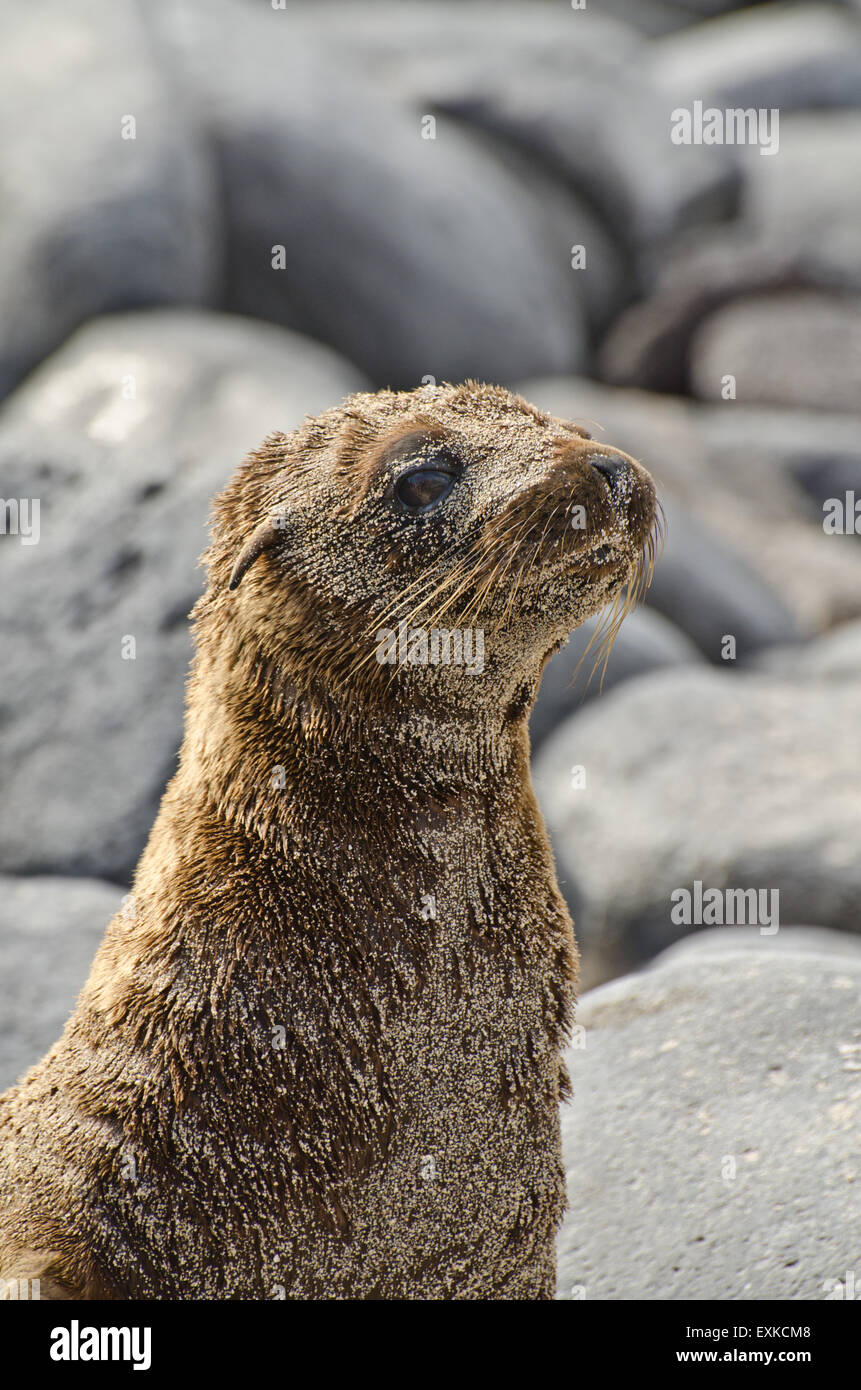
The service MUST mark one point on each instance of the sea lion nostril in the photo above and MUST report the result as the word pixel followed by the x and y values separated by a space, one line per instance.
pixel 614 469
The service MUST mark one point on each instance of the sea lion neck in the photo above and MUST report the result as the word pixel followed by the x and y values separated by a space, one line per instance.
pixel 259 740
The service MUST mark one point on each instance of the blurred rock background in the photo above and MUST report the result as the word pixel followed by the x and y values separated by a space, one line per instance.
pixel 489 190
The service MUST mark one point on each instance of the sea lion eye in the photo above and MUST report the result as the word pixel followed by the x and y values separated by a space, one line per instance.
pixel 424 488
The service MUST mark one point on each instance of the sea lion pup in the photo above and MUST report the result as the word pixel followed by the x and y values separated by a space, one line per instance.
pixel 319 1052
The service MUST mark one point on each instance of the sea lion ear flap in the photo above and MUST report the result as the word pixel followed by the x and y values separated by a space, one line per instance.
pixel 264 537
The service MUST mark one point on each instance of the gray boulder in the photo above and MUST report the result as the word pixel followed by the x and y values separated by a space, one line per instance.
pixel 773 56
pixel 555 102
pixel 774 468
pixel 710 590
pixel 649 344
pixel 731 780
pixel 50 929
pixel 779 243
pixel 820 151
pixel 798 349
pixel 834 656
pixel 651 17
pixel 816 941
pixel 712 1144
pixel 707 9
pixel 413 256
pixel 646 641
pixel 124 436
pixel 94 220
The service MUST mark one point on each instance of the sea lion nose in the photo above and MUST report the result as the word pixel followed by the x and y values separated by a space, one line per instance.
pixel 616 472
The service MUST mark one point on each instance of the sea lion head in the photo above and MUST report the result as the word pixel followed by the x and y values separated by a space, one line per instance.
pixel 430 546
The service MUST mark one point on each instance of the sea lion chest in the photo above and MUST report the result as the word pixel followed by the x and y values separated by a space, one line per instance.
pixel 393 1128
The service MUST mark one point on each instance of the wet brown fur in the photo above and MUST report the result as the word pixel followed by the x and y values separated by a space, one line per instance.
pixel 286 1074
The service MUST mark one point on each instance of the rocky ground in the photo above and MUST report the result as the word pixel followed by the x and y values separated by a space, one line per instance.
pixel 147 341
pixel 712 1145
